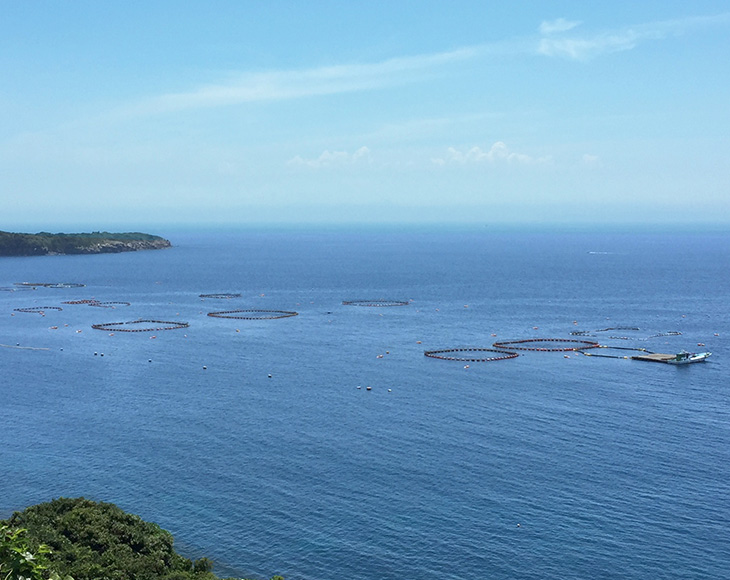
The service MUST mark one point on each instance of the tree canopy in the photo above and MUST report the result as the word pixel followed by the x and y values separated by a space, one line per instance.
pixel 90 540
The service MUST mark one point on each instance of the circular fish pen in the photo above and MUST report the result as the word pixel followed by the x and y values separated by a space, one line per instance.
pixel 465 354
pixel 380 303
pixel 126 326
pixel 37 309
pixel 546 344
pixel 253 314
pixel 222 296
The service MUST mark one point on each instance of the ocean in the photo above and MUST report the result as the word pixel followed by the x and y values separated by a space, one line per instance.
pixel 257 443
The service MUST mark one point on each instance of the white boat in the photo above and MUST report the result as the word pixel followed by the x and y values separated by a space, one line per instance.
pixel 685 358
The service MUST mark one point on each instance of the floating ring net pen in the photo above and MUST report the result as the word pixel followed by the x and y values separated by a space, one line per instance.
pixel 588 332
pixel 631 328
pixel 465 354
pixel 51 284
pixel 253 314
pixel 37 309
pixel 375 303
pixel 615 348
pixel 547 344
pixel 98 303
pixel 223 296
pixel 660 334
pixel 127 326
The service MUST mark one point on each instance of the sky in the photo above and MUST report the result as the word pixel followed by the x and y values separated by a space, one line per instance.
pixel 234 113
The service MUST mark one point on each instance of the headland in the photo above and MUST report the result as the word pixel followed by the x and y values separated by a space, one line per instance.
pixel 44 243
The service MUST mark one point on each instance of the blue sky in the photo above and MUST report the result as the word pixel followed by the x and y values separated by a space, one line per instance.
pixel 129 114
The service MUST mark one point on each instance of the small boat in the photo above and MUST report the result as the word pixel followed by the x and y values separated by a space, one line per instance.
pixel 685 358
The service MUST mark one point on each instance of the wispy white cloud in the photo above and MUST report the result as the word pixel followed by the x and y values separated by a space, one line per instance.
pixel 590 46
pixel 291 84
pixel 558 25
pixel 497 153
pixel 558 39
pixel 333 159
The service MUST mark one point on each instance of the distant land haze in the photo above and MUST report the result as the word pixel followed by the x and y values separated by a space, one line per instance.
pixel 44 243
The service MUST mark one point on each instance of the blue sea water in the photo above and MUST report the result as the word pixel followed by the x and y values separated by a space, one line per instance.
pixel 542 467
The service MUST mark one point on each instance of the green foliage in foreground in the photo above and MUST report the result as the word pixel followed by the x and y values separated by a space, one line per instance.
pixel 92 541
pixel 19 561
pixel 12 244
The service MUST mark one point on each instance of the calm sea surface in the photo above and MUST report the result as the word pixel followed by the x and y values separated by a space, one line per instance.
pixel 545 466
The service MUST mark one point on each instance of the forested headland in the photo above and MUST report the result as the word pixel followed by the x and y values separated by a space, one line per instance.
pixel 79 539
pixel 45 243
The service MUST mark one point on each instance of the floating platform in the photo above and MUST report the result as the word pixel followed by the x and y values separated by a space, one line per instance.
pixel 656 357
pixel 682 358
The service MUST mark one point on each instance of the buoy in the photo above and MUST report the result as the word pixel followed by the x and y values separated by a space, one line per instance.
pixel 149 360
pixel 359 387
pixel 418 342
pixel 269 375
pixel 466 366
pixel 205 368
pixel 369 388
pixel 96 353
pixel 390 390
pixel 700 344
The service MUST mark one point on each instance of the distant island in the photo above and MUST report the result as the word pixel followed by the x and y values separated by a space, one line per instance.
pixel 44 243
